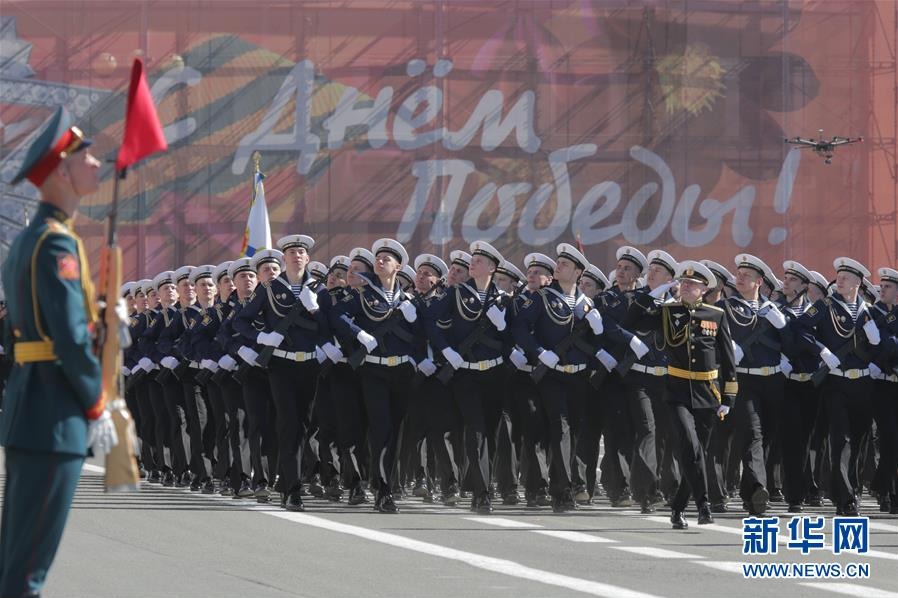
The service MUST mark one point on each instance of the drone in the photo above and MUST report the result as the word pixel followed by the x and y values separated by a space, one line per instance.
pixel 821 146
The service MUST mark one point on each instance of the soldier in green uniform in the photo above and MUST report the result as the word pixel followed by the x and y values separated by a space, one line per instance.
pixel 54 408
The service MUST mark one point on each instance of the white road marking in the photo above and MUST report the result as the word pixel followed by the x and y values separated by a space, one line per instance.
pixel 502 522
pixel 658 553
pixel 885 527
pixel 728 566
pixel 849 589
pixel 570 536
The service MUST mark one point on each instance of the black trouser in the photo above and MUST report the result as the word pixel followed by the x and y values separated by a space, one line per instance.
pixel 618 439
pixel 238 431
pixel 801 401
pixel 644 462
pixel 151 453
pixel 771 433
pixel 668 471
pixel 747 437
pixel 385 390
pixel 850 405
pixel 479 396
pixel 693 430
pixel 293 389
pixel 506 452
pixel 442 419
pixel 324 417
pixel 534 466
pixel 718 459
pixel 197 420
pixel 219 427
pixel 818 454
pixel 263 446
pixel 346 394
pixel 162 429
pixel 173 394
pixel 885 411
pixel 413 449
pixel 562 399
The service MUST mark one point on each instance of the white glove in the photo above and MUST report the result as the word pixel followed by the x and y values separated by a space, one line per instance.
pixel 606 359
pixel 831 361
pixel 101 436
pixel 227 362
pixel 332 351
pixel 408 311
pixel 549 358
pixel 785 366
pixel 320 355
pixel 872 332
pixel 427 367
pixel 248 355
pixel 497 317
pixel 126 371
pixel 271 339
pixel 518 358
pixel 875 372
pixel 738 352
pixel 775 317
pixel 594 319
pixel 453 357
pixel 309 299
pixel 208 364
pixel 366 339
pixel 638 346
pixel 722 411
pixel 169 362
pixel 146 364
pixel 660 291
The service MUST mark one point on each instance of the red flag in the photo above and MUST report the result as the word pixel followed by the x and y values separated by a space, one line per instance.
pixel 143 133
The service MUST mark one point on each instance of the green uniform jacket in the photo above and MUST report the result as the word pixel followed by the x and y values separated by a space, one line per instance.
pixel 47 284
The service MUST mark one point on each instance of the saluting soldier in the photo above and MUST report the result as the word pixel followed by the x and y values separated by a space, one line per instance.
pixel 701 380
pixel 54 409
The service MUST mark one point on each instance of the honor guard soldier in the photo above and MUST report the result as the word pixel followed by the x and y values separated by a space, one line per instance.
pixel 885 400
pixel 379 316
pixel 465 325
pixel 318 271
pixel 459 261
pixel 288 306
pixel 593 282
pixel 136 325
pixel 556 327
pixel 701 379
pixel 53 410
pixel 406 277
pixel 726 282
pixel 841 330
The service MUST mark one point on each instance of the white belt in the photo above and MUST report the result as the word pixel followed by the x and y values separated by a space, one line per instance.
pixel 800 376
pixel 658 370
pixel 299 356
pixel 850 374
pixel 525 368
pixel 391 361
pixel 886 377
pixel 481 366
pixel 570 368
pixel 764 371
pixel 195 365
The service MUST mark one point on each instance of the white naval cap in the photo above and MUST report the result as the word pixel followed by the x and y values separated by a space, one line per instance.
pixel 204 271
pixel 663 259
pixel 221 270
pixel 243 264
pixel 820 281
pixel 304 241
pixel 720 272
pixel 144 286
pixel 597 275
pixel 318 270
pixel 846 264
pixel 747 260
pixel 568 251
pixel 796 269
pixel 407 274
pixel 433 262
pixel 462 258
pixel 696 272
pixel 888 275
pixel 183 273
pixel 363 255
pixel 632 254
pixel 267 256
pixel 539 259
pixel 339 261
pixel 128 289
pixel 870 289
pixel 509 269
pixel 486 250
pixel 773 282
pixel 167 277
pixel 391 246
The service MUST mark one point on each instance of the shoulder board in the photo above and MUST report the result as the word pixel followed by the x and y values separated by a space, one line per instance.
pixel 56 226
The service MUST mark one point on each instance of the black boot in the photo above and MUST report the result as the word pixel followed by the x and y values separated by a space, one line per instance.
pixel 294 502
pixel 704 514
pixel 677 520
pixel 485 505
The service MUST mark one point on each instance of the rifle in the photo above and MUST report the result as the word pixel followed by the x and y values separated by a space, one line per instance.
pixel 860 350
pixel 571 340
pixel 758 335
pixel 293 318
pixel 477 336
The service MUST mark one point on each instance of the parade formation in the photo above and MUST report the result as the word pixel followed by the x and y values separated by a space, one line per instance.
pixel 380 376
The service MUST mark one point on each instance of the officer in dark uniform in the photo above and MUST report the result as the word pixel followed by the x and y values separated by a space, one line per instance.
pixel 885 400
pixel 700 362
pixel 53 410
pixel 841 331
pixel 379 316
pixel 293 369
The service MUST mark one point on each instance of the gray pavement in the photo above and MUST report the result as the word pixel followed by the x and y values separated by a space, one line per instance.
pixel 171 542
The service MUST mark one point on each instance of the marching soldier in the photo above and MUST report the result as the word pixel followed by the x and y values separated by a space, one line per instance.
pixel 459 261
pixel 885 400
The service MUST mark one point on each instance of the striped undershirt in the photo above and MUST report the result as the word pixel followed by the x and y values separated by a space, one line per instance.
pixel 852 309
pixel 389 296
pixel 297 289
pixel 482 296
pixel 571 300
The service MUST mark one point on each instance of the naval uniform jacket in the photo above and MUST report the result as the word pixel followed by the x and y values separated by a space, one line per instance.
pixel 829 321
pixel 744 322
pixel 453 314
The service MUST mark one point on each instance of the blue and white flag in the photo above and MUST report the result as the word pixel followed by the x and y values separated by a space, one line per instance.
pixel 257 235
